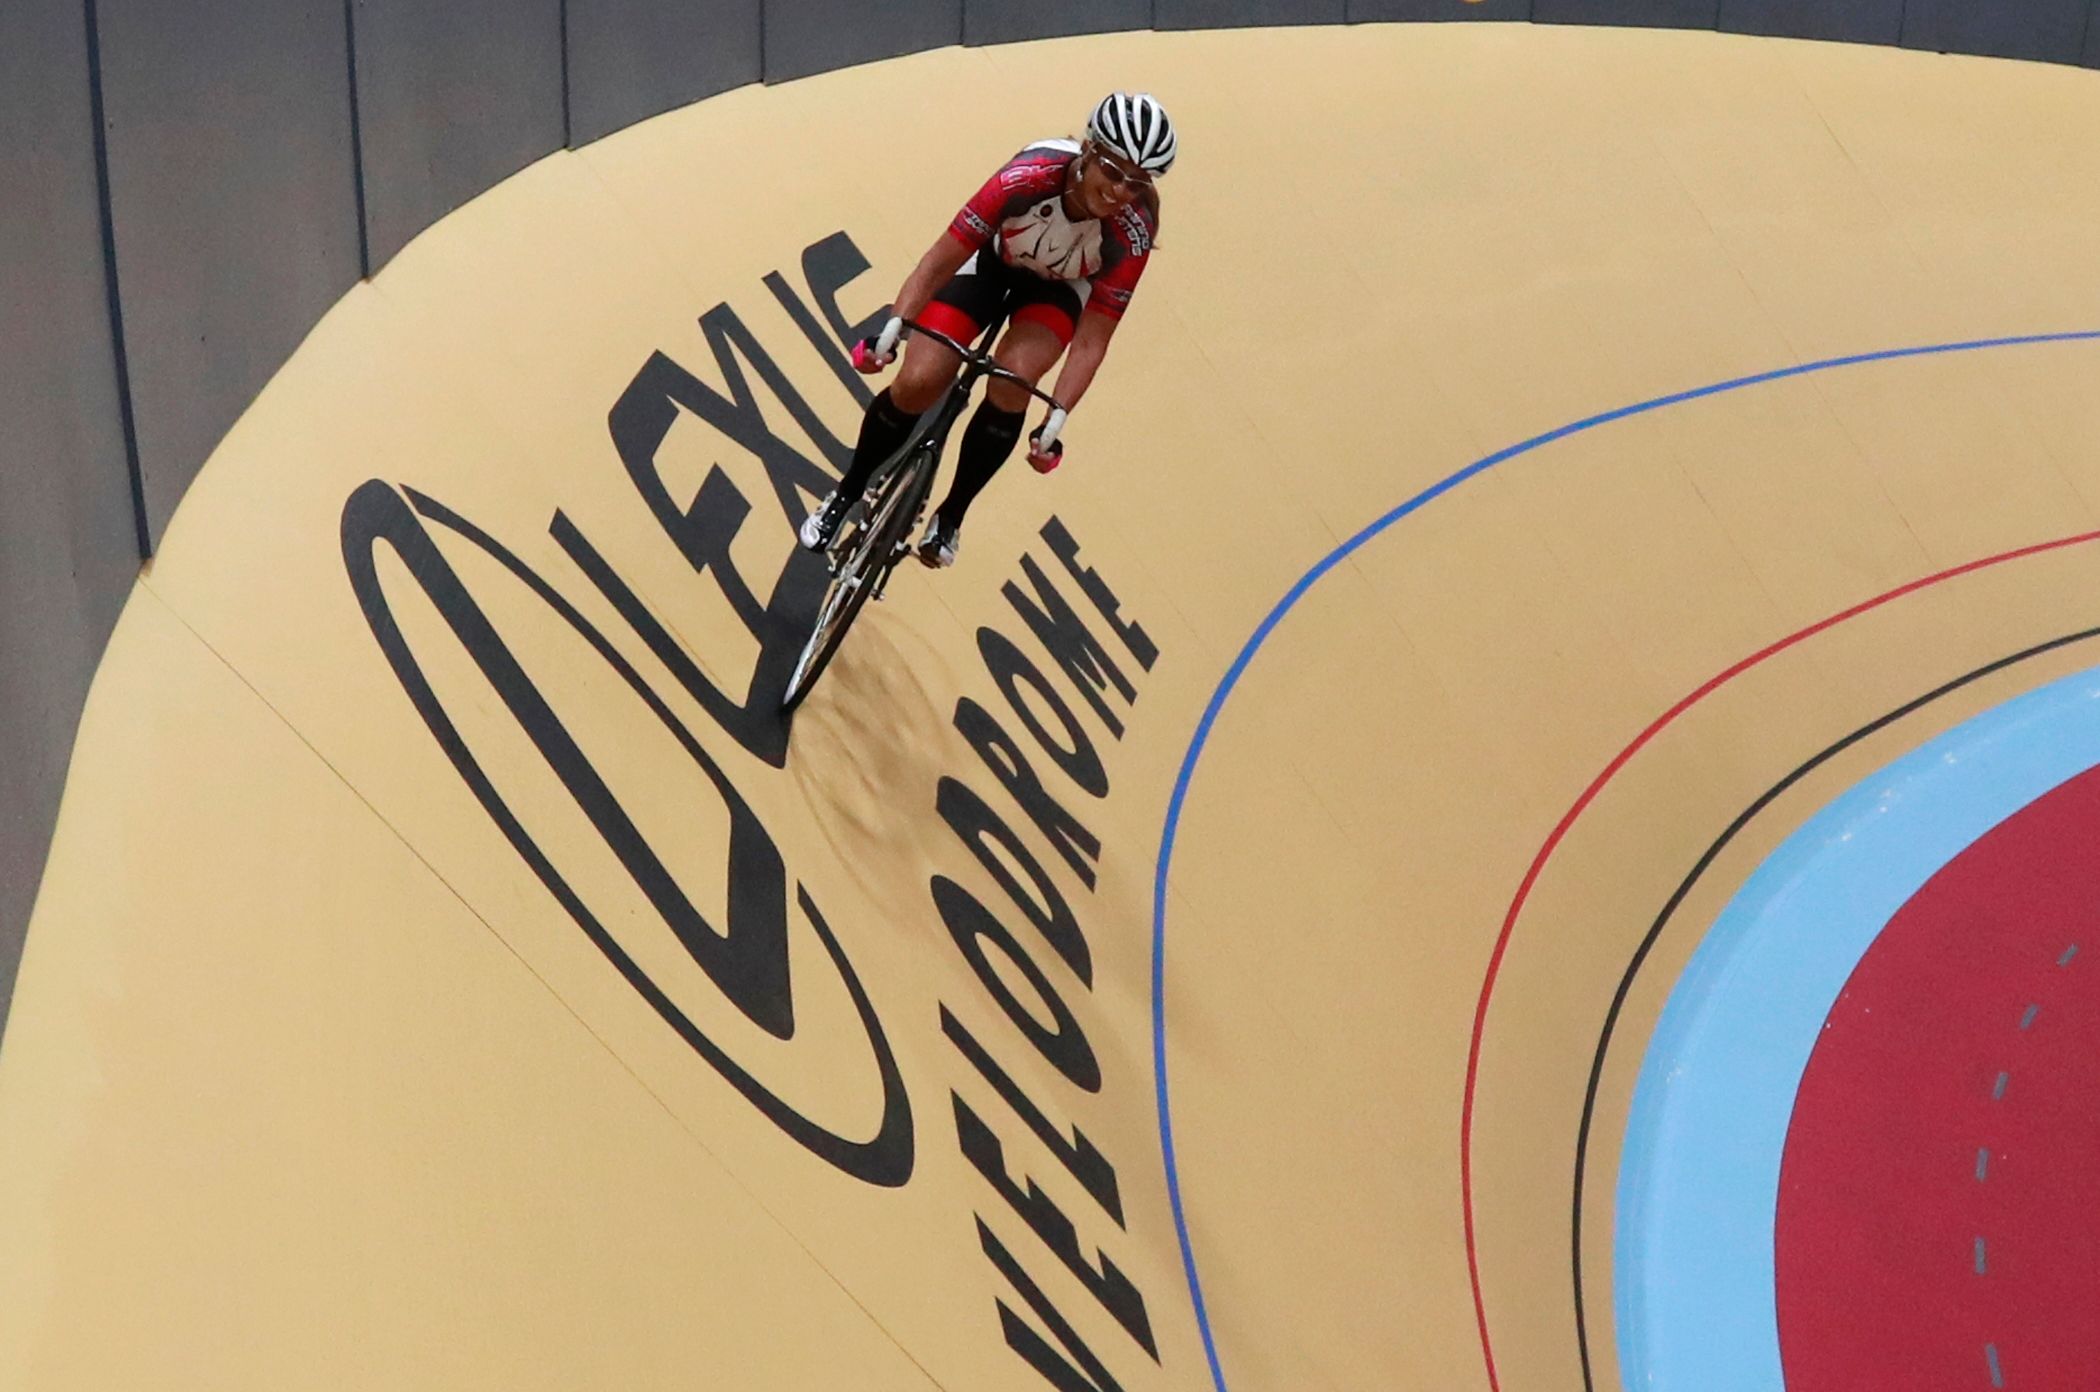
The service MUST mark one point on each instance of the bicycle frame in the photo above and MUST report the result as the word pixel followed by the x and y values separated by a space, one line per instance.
pixel 977 364
pixel 866 554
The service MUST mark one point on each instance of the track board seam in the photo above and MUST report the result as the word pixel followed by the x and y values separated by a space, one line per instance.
pixel 600 1040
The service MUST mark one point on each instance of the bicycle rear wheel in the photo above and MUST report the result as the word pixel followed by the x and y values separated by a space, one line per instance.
pixel 868 556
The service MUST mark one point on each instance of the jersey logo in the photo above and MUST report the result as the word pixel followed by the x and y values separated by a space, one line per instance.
pixel 1132 225
pixel 1045 241
pixel 1039 173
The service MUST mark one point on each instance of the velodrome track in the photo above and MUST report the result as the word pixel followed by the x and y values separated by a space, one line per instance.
pixel 1573 588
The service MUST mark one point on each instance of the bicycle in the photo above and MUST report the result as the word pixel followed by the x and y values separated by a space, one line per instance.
pixel 878 535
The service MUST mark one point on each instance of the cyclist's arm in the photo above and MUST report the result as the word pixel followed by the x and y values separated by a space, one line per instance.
pixel 941 261
pixel 1089 347
pixel 1105 304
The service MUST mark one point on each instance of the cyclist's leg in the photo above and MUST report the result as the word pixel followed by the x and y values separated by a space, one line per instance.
pixel 959 309
pixel 928 369
pixel 1042 326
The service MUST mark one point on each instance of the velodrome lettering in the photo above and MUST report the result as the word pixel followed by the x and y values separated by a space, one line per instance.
pixel 1078 1155
pixel 1048 1222
pixel 1080 848
pixel 1091 1375
pixel 1044 905
pixel 1012 671
pixel 1070 643
pixel 1037 700
pixel 1066 549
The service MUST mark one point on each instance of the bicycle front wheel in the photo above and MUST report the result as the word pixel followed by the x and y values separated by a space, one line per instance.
pixel 869 556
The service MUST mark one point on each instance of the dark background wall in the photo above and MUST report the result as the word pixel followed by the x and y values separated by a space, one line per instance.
pixel 2051 30
pixel 630 59
pixel 68 540
pixel 1654 14
pixel 813 36
pixel 1376 11
pixel 186 189
pixel 1228 14
pixel 452 98
pixel 232 207
pixel 1006 21
pixel 1854 21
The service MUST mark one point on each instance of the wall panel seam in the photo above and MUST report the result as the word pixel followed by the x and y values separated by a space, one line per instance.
pixel 357 144
pixel 568 128
pixel 106 211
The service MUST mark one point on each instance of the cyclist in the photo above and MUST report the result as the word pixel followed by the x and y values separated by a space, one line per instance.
pixel 1068 226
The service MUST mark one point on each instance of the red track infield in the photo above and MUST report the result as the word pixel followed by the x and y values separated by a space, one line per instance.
pixel 1939 1204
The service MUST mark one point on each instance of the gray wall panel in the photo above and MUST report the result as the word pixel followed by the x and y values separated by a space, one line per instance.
pixel 813 36
pixel 452 97
pixel 2053 30
pixel 1235 14
pixel 234 204
pixel 68 541
pixel 1855 21
pixel 1653 14
pixel 2092 36
pixel 630 59
pixel 1374 11
pixel 1009 21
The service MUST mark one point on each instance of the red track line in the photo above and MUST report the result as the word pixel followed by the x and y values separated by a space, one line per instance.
pixel 1589 795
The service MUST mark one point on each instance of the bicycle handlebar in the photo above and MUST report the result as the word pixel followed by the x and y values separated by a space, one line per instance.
pixel 985 364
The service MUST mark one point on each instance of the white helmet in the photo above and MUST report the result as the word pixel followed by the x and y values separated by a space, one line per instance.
pixel 1134 126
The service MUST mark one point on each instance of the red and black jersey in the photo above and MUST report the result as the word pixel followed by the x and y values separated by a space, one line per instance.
pixel 1020 213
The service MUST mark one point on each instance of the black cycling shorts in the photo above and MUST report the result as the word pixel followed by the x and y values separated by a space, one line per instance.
pixel 985 286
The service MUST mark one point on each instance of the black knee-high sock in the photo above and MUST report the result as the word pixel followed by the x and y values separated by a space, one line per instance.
pixel 985 446
pixel 882 430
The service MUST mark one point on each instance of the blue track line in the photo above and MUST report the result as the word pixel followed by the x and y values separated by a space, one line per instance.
pixel 1276 616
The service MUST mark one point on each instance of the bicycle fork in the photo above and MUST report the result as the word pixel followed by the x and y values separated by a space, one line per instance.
pixel 903 549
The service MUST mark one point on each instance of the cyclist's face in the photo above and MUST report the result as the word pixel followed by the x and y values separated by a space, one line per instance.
pixel 1110 183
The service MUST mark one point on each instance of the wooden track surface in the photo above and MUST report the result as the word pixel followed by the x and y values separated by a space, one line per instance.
pixel 330 1069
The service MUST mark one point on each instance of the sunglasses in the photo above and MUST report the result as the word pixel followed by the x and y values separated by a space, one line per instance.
pixel 1118 175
